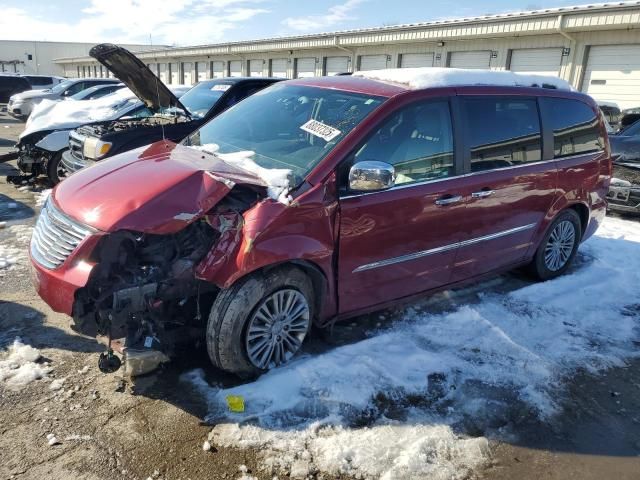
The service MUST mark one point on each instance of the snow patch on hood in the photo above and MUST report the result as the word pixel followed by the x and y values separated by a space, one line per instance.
pixel 19 368
pixel 278 180
pixel 438 371
pixel 432 77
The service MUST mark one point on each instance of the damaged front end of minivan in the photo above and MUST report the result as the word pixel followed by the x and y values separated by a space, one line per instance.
pixel 144 293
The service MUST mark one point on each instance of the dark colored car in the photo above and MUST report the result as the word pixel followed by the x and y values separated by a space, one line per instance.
pixel 624 192
pixel 317 200
pixel 207 99
pixel 12 84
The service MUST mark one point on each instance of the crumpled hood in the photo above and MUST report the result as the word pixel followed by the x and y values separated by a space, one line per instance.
pixel 154 189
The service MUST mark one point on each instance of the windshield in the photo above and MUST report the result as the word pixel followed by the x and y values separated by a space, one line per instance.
pixel 632 130
pixel 285 126
pixel 61 87
pixel 203 96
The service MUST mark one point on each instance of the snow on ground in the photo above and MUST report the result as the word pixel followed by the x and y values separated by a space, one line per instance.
pixel 431 77
pixel 41 197
pixel 13 246
pixel 19 368
pixel 419 399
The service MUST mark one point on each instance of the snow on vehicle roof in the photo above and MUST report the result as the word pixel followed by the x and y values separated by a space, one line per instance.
pixel 432 77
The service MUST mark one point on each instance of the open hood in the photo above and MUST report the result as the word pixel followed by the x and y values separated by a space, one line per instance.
pixel 136 75
pixel 154 189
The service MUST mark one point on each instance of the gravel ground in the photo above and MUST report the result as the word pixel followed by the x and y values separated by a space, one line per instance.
pixel 111 427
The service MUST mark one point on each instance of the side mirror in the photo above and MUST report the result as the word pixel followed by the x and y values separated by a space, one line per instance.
pixel 371 176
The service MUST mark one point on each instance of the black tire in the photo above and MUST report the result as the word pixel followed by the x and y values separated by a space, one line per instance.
pixel 234 307
pixel 539 267
pixel 54 168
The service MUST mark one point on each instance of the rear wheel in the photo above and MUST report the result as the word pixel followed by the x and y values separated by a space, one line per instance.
pixel 55 170
pixel 260 322
pixel 558 247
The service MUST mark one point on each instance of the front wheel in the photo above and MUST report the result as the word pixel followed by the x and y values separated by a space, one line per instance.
pixel 558 247
pixel 260 322
pixel 55 170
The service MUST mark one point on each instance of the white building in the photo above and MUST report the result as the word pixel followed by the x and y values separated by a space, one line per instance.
pixel 595 47
pixel 38 57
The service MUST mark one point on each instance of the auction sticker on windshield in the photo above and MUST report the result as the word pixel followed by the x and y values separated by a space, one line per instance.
pixel 221 87
pixel 321 130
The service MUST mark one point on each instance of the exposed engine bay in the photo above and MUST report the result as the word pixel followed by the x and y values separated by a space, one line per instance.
pixel 143 292
pixel 98 130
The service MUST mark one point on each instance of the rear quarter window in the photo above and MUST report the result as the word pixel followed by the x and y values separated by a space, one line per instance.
pixel 575 126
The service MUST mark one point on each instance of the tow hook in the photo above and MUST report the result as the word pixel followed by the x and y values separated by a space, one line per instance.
pixel 109 362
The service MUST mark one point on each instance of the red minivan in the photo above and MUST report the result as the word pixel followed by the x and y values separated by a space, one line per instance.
pixel 319 199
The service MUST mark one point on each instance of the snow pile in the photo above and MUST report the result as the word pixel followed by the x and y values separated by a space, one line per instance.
pixel 13 250
pixel 393 405
pixel 19 368
pixel 41 197
pixel 417 78
pixel 278 180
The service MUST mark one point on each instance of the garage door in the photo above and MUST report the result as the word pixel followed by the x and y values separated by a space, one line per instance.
pixel 373 62
pixel 414 60
pixel 305 67
pixel 163 73
pixel 187 73
pixel 539 61
pixel 235 68
pixel 613 74
pixel 202 70
pixel 336 65
pixel 255 68
pixel 218 69
pixel 481 59
pixel 175 73
pixel 279 67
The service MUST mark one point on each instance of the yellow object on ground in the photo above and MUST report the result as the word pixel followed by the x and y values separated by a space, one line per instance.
pixel 235 403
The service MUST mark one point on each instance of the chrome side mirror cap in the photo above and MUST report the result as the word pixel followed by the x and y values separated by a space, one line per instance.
pixel 371 176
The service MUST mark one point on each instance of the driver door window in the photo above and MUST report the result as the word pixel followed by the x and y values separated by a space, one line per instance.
pixel 417 141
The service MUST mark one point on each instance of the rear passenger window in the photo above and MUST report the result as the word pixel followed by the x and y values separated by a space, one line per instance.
pixel 417 141
pixel 575 127
pixel 502 132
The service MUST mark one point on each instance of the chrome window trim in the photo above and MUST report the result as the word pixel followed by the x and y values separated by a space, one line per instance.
pixel 470 174
pixel 444 248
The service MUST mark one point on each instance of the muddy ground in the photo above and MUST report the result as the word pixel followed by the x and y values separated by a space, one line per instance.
pixel 110 427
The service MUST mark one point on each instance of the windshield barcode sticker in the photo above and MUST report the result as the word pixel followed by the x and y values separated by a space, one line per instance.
pixel 221 87
pixel 321 130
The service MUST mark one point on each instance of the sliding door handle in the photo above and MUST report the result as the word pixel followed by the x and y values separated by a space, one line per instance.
pixel 448 200
pixel 482 193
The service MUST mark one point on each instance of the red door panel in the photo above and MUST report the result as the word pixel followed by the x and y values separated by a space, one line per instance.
pixel 499 227
pixel 396 243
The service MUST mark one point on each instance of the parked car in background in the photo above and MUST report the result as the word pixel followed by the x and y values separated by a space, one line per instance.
pixel 11 85
pixel 97 91
pixel 207 99
pixel 21 104
pixel 628 117
pixel 317 200
pixel 42 82
pixel 624 192
pixel 612 113
pixel 46 136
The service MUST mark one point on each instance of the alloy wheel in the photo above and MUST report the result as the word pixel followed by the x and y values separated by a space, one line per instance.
pixel 277 328
pixel 560 245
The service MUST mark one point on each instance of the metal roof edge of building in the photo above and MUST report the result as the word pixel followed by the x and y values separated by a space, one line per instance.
pixel 170 51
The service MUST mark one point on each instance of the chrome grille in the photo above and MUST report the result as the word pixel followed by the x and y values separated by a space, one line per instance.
pixel 76 144
pixel 55 237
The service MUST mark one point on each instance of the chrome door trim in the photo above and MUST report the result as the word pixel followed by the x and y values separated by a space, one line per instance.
pixel 444 248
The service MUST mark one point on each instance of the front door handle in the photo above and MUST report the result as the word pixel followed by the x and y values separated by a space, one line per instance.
pixel 482 193
pixel 448 200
